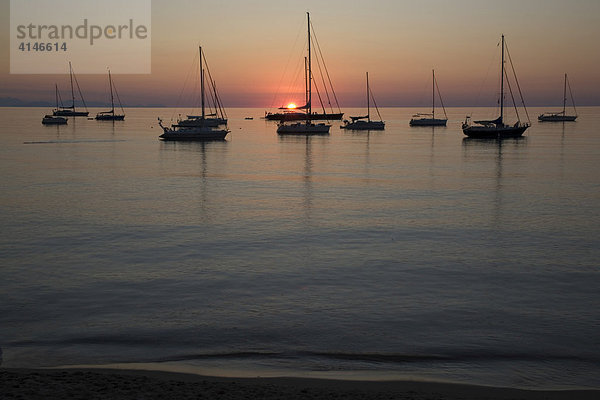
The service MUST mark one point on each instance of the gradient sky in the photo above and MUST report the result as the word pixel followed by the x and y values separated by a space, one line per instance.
pixel 248 44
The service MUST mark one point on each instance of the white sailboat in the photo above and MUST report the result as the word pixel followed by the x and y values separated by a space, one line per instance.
pixel 561 116
pixel 496 129
pixel 202 128
pixel 426 119
pixel 365 123
pixel 307 127
pixel 110 115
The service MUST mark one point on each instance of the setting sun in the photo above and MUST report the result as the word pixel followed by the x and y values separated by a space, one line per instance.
pixel 291 105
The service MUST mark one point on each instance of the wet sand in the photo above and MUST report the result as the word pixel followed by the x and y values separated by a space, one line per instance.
pixel 142 384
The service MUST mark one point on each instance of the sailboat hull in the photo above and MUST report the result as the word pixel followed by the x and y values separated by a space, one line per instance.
pixel 428 122
pixel 53 120
pixel 199 121
pixel 364 126
pixel 110 117
pixel 494 132
pixel 303 129
pixel 557 118
pixel 70 113
pixel 302 116
pixel 194 134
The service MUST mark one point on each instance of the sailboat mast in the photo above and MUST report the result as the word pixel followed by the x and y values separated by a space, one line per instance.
pixel 56 94
pixel 368 102
pixel 309 68
pixel 112 99
pixel 305 81
pixel 72 90
pixel 502 85
pixel 433 94
pixel 565 96
pixel 201 82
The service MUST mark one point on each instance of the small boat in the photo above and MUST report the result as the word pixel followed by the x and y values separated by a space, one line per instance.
pixel 53 120
pixel 307 127
pixel 423 119
pixel 70 111
pixel 249 118
pixel 110 115
pixel 496 129
pixel 199 127
pixel 364 123
pixel 561 116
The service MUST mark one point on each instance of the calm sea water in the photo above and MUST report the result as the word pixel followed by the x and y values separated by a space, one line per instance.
pixel 411 252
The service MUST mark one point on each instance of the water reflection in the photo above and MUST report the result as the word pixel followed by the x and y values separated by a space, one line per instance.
pixel 478 153
pixel 200 162
pixel 308 141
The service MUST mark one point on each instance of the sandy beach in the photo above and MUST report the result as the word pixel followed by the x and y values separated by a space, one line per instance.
pixel 142 384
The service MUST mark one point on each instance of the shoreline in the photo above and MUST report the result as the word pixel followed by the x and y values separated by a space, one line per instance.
pixel 116 383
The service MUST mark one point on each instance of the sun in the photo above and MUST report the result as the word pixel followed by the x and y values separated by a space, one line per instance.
pixel 291 105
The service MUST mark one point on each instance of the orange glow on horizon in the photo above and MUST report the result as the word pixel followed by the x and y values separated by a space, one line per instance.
pixel 291 105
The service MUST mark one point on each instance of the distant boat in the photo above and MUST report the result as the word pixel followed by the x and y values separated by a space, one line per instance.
pixel 423 119
pixel 359 123
pixel 496 129
pixel 307 127
pixel 70 111
pixel 200 127
pixel 110 115
pixel 561 116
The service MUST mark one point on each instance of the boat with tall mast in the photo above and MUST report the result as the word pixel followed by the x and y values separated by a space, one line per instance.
pixel 110 115
pixel 561 116
pixel 201 127
pixel 70 111
pixel 497 129
pixel 307 127
pixel 429 119
pixel 364 123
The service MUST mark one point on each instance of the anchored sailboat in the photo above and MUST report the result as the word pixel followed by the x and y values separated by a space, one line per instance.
pixel 306 127
pixel 561 116
pixel 110 115
pixel 51 119
pixel 423 119
pixel 359 123
pixel 70 111
pixel 497 129
pixel 199 127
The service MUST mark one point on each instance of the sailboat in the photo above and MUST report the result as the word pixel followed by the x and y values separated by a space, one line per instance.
pixel 306 127
pixel 70 111
pixel 214 119
pixel 425 119
pixel 110 115
pixel 359 123
pixel 561 116
pixel 497 129
pixel 201 127
pixel 51 119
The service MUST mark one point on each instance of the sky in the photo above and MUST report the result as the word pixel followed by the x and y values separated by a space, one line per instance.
pixel 250 45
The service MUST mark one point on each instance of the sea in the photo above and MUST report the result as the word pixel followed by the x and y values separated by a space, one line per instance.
pixel 408 253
